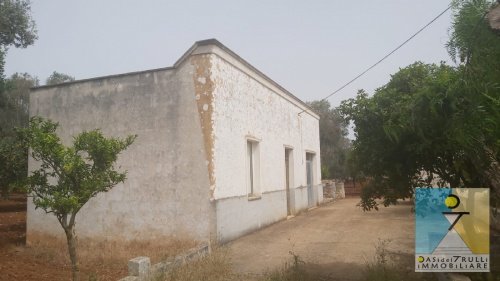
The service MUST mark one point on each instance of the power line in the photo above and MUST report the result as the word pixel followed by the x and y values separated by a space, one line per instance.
pixel 386 56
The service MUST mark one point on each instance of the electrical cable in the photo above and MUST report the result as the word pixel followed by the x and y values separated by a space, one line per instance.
pixel 385 57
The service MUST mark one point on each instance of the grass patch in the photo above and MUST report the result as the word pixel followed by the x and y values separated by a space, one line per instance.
pixel 390 266
pixel 215 267
pixel 293 270
pixel 95 252
pixel 104 259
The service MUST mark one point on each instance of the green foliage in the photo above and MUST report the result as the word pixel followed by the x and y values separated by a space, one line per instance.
pixel 291 271
pixel 13 165
pixel 479 88
pixel 334 143
pixel 14 102
pixel 58 78
pixel 3 52
pixel 385 143
pixel 17 28
pixel 13 113
pixel 434 122
pixel 391 266
pixel 69 176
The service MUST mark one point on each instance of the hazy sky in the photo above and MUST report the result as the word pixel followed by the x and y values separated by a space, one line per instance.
pixel 309 47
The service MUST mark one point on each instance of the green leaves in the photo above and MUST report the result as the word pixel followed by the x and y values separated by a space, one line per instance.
pixel 17 28
pixel 424 122
pixel 69 176
pixel 334 143
pixel 58 78
pixel 16 25
pixel 13 165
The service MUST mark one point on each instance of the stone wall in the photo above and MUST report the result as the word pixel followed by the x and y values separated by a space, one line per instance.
pixel 140 268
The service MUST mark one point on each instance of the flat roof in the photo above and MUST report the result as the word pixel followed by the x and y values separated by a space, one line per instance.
pixel 189 52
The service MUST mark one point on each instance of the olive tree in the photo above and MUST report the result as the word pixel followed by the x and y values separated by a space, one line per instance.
pixel 17 27
pixel 13 113
pixel 69 176
pixel 58 78
pixel 333 140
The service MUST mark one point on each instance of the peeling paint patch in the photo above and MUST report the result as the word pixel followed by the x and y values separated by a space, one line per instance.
pixel 204 88
pixel 202 80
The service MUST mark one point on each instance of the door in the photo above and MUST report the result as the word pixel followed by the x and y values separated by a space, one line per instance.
pixel 287 181
pixel 309 175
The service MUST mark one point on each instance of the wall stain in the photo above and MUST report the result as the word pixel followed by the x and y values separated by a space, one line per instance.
pixel 203 90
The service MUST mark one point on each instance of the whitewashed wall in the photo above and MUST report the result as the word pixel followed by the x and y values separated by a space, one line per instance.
pixel 187 169
pixel 247 105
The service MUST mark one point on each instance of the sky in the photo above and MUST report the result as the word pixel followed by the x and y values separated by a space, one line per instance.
pixel 311 48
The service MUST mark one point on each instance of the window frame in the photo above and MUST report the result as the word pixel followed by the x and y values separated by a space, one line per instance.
pixel 252 168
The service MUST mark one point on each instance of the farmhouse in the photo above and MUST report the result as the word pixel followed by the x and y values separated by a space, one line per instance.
pixel 222 149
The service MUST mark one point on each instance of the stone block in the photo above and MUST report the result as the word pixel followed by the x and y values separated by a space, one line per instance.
pixel 340 190
pixel 139 267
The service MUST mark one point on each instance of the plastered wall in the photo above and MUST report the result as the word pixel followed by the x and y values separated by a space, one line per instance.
pixel 245 106
pixel 167 187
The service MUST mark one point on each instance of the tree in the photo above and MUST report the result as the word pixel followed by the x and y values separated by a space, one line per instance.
pixel 401 132
pixel 333 140
pixel 13 165
pixel 434 121
pixel 58 78
pixel 478 48
pixel 15 101
pixel 13 113
pixel 17 27
pixel 69 177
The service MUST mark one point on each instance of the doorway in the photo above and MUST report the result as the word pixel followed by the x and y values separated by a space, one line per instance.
pixel 310 179
pixel 288 179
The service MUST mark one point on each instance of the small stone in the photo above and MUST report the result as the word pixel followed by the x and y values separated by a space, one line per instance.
pixel 139 266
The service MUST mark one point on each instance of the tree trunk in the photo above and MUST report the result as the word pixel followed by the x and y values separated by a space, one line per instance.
pixel 72 241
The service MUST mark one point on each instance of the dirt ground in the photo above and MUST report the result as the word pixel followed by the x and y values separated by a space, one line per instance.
pixel 19 262
pixel 336 241
pixel 338 238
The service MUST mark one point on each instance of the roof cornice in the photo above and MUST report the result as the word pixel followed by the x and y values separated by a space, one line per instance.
pixel 203 44
pixel 212 46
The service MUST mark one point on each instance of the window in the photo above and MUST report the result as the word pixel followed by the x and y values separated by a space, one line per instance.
pixel 253 168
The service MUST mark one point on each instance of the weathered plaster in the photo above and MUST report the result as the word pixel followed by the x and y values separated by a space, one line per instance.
pixel 203 90
pixel 246 107
pixel 166 164
pixel 187 169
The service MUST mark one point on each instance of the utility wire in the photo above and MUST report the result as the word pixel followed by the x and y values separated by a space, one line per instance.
pixel 386 56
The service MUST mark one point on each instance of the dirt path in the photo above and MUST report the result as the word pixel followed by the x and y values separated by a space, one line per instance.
pixel 338 238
